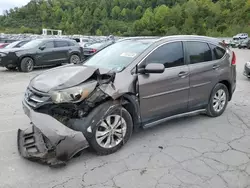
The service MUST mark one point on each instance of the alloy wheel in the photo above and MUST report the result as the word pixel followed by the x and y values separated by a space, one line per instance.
pixel 75 59
pixel 29 64
pixel 219 100
pixel 111 131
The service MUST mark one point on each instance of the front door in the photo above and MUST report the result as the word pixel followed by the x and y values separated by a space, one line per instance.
pixel 46 55
pixel 164 94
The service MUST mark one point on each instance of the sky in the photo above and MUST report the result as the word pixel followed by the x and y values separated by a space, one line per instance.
pixel 7 4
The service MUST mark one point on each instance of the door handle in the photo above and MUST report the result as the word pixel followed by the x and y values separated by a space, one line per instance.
pixel 215 67
pixel 183 74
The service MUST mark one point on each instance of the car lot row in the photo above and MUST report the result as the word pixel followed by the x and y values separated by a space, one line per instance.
pixel 26 54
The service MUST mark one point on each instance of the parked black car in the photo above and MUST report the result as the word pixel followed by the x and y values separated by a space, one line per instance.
pixel 247 70
pixel 94 48
pixel 41 52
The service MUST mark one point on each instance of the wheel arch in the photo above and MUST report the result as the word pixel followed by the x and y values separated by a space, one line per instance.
pixel 229 87
pixel 24 56
pixel 127 101
pixel 131 103
pixel 74 53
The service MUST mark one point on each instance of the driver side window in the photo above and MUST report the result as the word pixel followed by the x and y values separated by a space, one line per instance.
pixel 49 45
pixel 170 55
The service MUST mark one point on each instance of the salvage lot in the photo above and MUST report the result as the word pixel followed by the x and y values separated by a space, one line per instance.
pixel 188 152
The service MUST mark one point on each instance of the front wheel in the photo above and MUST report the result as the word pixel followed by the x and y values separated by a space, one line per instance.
pixel 218 100
pixel 26 65
pixel 112 132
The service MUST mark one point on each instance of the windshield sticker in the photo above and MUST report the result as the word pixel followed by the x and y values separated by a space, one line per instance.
pixel 128 54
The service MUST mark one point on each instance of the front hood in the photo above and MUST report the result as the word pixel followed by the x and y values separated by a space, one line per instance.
pixel 7 50
pixel 64 77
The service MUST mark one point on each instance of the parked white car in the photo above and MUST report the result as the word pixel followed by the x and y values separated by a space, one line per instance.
pixel 240 36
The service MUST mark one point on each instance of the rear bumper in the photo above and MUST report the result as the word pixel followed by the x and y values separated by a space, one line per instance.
pixel 48 140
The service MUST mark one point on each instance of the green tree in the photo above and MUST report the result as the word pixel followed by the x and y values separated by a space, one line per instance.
pixel 130 17
pixel 115 13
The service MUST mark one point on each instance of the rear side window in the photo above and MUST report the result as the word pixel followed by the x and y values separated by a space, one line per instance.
pixel 198 52
pixel 60 44
pixel 70 43
pixel 218 52
pixel 170 55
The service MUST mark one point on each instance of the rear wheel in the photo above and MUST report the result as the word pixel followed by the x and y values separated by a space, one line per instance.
pixel 26 65
pixel 74 59
pixel 218 100
pixel 112 132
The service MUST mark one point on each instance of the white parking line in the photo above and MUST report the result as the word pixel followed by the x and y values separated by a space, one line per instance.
pixel 8 131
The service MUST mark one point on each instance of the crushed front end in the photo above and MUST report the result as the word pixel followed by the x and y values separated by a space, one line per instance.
pixel 61 105
pixel 48 140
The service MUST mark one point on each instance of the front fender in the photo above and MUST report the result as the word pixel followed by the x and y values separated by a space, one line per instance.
pixel 86 124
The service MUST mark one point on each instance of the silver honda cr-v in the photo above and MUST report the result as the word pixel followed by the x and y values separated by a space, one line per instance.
pixel 136 82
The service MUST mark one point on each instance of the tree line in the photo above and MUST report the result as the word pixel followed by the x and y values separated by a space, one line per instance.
pixel 130 17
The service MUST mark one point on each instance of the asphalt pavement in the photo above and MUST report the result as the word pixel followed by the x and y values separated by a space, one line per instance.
pixel 194 152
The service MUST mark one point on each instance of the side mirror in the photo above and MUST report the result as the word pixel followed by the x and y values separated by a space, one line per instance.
pixel 152 68
pixel 42 47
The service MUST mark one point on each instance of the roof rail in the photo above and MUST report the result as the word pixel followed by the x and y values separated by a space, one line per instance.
pixel 176 36
pixel 130 38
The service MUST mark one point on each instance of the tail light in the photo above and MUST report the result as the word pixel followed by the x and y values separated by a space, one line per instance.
pixel 93 50
pixel 234 59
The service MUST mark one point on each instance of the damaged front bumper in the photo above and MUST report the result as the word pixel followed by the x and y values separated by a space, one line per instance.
pixel 48 140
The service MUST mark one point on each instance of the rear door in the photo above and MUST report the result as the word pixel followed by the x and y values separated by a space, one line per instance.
pixel 165 94
pixel 204 73
pixel 61 50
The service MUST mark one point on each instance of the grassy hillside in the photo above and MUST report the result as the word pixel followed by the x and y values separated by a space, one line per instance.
pixel 130 17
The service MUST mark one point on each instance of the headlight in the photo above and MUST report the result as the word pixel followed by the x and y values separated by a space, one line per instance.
pixel 248 65
pixel 74 94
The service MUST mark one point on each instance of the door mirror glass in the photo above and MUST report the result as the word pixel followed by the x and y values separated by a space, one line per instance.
pixel 152 68
pixel 42 47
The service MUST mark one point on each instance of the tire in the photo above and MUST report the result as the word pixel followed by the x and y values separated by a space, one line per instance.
pixel 74 59
pixel 222 100
pixel 26 65
pixel 95 141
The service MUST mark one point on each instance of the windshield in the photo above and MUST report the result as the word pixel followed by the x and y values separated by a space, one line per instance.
pixel 16 44
pixel 32 44
pixel 12 45
pixel 119 55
